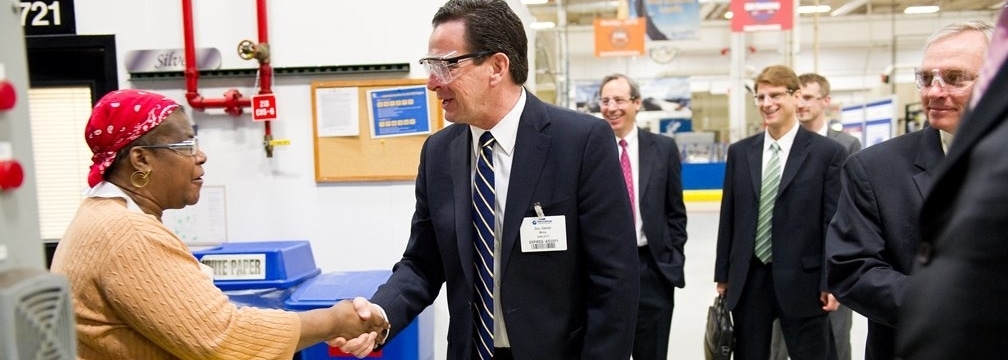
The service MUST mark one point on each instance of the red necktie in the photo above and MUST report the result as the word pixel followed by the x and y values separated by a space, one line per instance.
pixel 627 176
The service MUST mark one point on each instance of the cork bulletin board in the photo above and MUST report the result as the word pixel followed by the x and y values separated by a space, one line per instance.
pixel 371 130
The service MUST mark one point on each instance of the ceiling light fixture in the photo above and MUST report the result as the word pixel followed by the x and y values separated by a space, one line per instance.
pixel 929 9
pixel 728 15
pixel 543 25
pixel 534 2
pixel 813 9
pixel 848 7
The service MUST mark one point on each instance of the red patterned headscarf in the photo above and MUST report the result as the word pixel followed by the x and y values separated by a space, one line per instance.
pixel 119 118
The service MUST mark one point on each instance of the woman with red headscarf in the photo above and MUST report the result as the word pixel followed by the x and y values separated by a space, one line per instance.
pixel 138 293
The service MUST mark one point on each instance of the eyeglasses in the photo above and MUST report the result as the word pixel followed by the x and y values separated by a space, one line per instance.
pixel 953 81
pixel 441 66
pixel 188 147
pixel 616 101
pixel 774 97
pixel 808 98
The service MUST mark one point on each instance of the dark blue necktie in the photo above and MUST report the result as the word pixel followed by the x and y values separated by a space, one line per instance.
pixel 484 199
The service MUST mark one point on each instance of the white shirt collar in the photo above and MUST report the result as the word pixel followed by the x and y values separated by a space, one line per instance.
pixel 946 140
pixel 785 141
pixel 106 189
pixel 630 137
pixel 506 131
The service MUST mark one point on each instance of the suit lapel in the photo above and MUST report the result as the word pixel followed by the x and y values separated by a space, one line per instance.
pixel 460 151
pixel 646 160
pixel 531 147
pixel 929 154
pixel 755 159
pixel 799 151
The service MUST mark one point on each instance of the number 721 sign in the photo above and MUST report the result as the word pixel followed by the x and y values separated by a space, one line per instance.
pixel 48 17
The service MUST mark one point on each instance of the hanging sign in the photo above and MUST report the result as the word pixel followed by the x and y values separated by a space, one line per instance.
pixel 619 37
pixel 760 15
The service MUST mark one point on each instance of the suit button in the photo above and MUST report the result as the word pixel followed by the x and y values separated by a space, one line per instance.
pixel 925 253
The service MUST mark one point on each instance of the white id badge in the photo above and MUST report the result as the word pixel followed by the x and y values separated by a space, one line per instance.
pixel 544 233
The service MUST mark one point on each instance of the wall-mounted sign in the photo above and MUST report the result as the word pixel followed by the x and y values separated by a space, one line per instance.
pixel 48 17
pixel 158 60
pixel 264 107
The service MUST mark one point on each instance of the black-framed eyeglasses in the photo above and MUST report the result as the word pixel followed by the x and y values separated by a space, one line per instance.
pixel 774 97
pixel 188 147
pixel 617 101
pixel 953 81
pixel 441 66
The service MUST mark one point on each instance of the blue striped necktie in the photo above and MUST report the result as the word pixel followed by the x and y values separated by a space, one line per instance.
pixel 484 200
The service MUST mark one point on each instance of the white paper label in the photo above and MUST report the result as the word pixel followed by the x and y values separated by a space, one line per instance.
pixel 236 266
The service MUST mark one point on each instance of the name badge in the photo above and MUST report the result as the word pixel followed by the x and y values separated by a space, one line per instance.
pixel 543 233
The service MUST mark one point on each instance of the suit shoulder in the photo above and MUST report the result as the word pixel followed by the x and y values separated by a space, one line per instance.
pixel 893 148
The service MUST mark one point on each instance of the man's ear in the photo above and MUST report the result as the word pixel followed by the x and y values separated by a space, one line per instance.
pixel 501 67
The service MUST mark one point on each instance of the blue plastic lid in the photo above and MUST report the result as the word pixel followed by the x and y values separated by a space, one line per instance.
pixel 327 289
pixel 259 264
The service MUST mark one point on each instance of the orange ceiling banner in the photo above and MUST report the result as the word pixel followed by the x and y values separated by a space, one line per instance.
pixel 619 37
pixel 760 15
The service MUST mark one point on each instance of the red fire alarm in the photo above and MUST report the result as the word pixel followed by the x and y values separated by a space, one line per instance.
pixel 11 175
pixel 264 107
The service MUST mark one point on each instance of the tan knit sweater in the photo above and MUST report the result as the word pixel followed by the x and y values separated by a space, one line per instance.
pixel 138 293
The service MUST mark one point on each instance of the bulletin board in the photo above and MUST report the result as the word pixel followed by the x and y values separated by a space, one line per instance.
pixel 350 145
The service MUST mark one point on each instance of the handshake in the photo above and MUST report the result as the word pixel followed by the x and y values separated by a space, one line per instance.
pixel 360 327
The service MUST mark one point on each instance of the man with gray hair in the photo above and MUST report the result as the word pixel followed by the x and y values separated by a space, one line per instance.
pixel 875 233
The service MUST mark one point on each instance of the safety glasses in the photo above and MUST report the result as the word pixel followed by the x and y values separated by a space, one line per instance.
pixel 441 66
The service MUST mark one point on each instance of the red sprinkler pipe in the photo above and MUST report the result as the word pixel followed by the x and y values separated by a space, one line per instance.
pixel 232 102
pixel 265 70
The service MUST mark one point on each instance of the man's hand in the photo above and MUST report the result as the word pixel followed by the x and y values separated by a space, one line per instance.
pixel 362 323
pixel 829 302
pixel 722 288
pixel 358 317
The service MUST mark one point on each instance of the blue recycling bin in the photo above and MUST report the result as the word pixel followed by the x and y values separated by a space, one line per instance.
pixel 414 342
pixel 262 274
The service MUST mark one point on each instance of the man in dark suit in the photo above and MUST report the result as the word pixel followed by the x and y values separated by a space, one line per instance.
pixel 812 113
pixel 815 99
pixel 955 306
pixel 563 276
pixel 654 185
pixel 874 235
pixel 770 265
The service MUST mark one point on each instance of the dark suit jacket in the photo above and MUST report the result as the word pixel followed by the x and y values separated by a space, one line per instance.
pixel 661 204
pixel 574 304
pixel 955 306
pixel 875 232
pixel 805 203
pixel 852 144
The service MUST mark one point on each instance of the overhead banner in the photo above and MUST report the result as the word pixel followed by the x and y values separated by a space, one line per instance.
pixel 615 37
pixel 669 19
pixel 762 15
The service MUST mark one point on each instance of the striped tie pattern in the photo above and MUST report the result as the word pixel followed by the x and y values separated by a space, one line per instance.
pixel 768 195
pixel 484 200
pixel 627 175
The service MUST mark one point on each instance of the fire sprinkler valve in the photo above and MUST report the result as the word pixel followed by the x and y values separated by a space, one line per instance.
pixel 11 172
